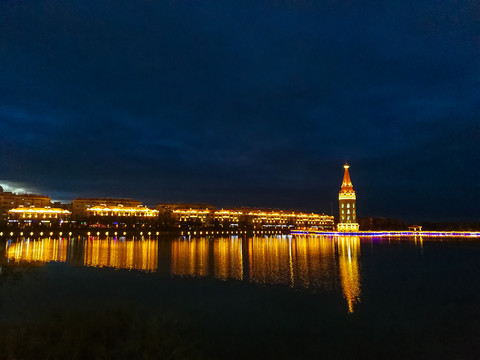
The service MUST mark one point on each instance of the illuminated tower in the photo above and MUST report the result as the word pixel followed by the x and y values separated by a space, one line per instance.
pixel 348 210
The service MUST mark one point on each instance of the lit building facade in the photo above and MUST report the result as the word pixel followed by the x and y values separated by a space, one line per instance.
pixel 203 215
pixel 169 207
pixel 316 221
pixel 121 211
pixel 285 219
pixel 347 205
pixel 228 217
pixel 81 205
pixel 186 214
pixel 9 200
pixel 30 216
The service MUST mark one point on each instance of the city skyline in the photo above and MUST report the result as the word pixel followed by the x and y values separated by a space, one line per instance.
pixel 109 206
pixel 254 103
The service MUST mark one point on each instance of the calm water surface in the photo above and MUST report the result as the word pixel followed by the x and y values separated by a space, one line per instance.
pixel 278 296
pixel 324 263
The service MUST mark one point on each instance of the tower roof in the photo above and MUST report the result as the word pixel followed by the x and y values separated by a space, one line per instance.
pixel 347 183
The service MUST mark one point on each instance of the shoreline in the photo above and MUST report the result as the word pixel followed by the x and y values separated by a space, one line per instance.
pixel 147 233
pixel 387 233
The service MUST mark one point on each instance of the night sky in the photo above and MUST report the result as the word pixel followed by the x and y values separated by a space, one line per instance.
pixel 245 103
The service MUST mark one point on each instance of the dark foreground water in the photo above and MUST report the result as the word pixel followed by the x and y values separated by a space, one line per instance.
pixel 263 297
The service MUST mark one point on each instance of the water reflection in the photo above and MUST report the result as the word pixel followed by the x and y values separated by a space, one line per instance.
pixel 326 263
pixel 37 250
pixel 228 258
pixel 221 258
pixel 121 253
pixel 348 251
pixel 303 261
pixel 418 240
pixel 300 261
pixel 190 257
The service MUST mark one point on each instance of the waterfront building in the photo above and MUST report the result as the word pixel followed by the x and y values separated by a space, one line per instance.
pixel 228 217
pixel 290 219
pixel 81 205
pixel 314 221
pixel 347 204
pixel 121 211
pixel 9 200
pixel 166 207
pixel 415 228
pixel 29 216
pixel 185 214
pixel 207 215
pixel 192 216
pixel 270 218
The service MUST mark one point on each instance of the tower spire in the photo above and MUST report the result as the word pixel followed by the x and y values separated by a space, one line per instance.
pixel 347 183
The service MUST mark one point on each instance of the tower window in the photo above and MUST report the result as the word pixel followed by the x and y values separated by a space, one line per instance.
pixel 342 205
pixel 348 211
pixel 348 205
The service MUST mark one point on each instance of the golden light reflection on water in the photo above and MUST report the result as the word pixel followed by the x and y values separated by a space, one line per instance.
pixel 348 252
pixel 121 254
pixel 306 261
pixel 303 261
pixel 228 258
pixel 299 261
pixel 269 260
pixel 192 257
pixel 41 250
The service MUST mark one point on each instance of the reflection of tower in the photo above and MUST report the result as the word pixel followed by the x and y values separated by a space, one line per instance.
pixel 348 251
pixel 347 199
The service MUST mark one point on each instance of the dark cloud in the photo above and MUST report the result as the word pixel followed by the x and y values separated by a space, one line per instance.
pixel 245 103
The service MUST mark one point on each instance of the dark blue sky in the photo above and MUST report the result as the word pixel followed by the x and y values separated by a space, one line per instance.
pixel 252 103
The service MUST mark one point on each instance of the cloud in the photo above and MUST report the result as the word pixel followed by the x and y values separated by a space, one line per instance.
pixel 17 187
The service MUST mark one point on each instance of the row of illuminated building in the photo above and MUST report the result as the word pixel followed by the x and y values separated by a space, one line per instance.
pixel 118 211
pixel 255 218
pixel 10 200
pixel 186 215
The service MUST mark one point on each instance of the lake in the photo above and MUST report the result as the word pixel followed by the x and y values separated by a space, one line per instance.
pixel 240 297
